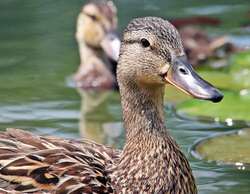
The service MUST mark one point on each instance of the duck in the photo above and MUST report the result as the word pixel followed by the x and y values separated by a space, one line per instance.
pixel 151 161
pixel 98 44
pixel 199 45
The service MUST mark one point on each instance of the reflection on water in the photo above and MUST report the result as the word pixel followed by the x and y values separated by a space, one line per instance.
pixel 97 121
pixel 38 51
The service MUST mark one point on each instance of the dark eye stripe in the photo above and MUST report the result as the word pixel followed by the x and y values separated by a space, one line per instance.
pixel 165 53
pixel 93 17
pixel 131 41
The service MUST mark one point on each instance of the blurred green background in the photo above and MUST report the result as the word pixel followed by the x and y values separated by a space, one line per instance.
pixel 38 55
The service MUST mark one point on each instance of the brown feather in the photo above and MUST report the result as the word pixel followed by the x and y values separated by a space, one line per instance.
pixel 53 164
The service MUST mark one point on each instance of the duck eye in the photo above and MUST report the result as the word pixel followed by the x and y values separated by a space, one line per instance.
pixel 93 17
pixel 145 43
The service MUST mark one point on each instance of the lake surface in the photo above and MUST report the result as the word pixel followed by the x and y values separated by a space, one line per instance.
pixel 38 55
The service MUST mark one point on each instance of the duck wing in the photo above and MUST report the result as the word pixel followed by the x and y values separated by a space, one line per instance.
pixel 34 164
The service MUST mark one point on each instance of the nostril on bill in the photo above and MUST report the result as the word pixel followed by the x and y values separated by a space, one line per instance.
pixel 183 71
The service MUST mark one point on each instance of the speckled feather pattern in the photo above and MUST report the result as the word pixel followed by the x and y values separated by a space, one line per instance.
pixel 153 167
pixel 151 161
pixel 52 165
pixel 163 29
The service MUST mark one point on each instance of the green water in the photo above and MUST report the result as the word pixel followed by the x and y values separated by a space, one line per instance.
pixel 38 54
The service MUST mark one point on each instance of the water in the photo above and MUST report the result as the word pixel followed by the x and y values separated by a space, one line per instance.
pixel 238 155
pixel 38 54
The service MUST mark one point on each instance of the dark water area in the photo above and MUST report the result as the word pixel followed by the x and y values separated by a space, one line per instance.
pixel 38 55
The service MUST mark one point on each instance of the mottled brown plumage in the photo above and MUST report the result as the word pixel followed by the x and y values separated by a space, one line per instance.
pixel 53 165
pixel 151 161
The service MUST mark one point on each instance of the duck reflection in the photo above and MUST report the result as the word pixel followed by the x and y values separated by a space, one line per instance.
pixel 100 116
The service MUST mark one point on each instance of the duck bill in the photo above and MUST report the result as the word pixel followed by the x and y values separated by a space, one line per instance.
pixel 111 45
pixel 181 75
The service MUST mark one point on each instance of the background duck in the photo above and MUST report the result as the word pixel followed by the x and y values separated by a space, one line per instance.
pixel 199 45
pixel 98 46
pixel 151 56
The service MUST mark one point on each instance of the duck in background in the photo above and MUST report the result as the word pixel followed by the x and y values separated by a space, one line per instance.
pixel 201 47
pixel 98 46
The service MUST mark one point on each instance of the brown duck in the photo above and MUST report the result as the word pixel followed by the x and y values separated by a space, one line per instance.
pixel 199 46
pixel 151 161
pixel 98 46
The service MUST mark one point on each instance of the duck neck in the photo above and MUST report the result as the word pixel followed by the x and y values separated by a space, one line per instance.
pixel 86 52
pixel 142 110
pixel 151 161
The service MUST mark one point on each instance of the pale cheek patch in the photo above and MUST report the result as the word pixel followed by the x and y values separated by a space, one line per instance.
pixel 164 68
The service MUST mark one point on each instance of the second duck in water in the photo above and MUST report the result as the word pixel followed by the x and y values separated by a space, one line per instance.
pixel 98 46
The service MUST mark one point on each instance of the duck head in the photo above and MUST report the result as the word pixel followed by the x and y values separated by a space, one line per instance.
pixel 96 27
pixel 152 54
